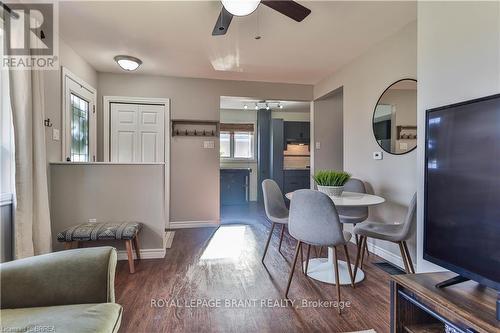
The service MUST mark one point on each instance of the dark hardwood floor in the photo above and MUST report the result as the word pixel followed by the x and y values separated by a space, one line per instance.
pixel 210 265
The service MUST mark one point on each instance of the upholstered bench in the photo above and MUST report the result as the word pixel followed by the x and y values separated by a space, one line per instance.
pixel 87 232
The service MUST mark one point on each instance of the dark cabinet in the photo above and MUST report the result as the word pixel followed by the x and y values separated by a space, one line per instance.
pixel 296 180
pixel 297 131
pixel 234 186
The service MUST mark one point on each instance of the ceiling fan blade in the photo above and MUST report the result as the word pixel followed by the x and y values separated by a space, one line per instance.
pixel 222 23
pixel 289 8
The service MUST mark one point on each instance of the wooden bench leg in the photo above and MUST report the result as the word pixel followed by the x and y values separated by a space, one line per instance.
pixel 137 249
pixel 128 245
pixel 71 245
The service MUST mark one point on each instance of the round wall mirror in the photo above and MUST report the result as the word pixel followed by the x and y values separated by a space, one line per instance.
pixel 395 118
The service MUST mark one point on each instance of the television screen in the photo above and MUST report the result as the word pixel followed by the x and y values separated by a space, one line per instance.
pixel 462 189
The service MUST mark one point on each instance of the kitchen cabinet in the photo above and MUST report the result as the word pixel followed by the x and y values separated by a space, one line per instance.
pixel 234 186
pixel 296 180
pixel 297 131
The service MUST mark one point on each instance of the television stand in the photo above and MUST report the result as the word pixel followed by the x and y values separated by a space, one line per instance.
pixel 450 282
pixel 417 305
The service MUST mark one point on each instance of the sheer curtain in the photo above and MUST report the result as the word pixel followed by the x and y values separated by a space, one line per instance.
pixel 32 234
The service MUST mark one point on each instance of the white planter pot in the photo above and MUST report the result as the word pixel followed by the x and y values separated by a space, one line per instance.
pixel 335 191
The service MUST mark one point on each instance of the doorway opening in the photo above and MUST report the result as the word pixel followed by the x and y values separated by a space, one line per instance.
pixel 260 139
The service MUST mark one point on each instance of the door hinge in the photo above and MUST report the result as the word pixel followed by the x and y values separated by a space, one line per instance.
pixel 93 107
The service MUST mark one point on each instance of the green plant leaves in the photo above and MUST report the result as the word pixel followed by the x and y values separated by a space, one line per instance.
pixel 331 178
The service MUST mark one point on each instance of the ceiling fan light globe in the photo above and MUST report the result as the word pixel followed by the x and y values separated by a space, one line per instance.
pixel 240 7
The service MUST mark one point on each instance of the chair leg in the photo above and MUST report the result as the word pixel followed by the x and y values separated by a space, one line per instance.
pixel 298 247
pixel 302 259
pixel 337 278
pixel 408 257
pixel 307 257
pixel 316 251
pixel 136 247
pixel 363 244
pixel 403 256
pixel 281 237
pixel 128 245
pixel 358 256
pixel 268 240
pixel 348 260
pixel 366 249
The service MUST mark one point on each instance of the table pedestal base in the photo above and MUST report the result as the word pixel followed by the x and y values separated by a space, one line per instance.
pixel 322 269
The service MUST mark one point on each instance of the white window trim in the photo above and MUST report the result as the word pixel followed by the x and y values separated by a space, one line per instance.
pixel 239 159
pixel 65 128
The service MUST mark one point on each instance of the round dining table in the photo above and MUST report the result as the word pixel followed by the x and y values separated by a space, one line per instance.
pixel 322 269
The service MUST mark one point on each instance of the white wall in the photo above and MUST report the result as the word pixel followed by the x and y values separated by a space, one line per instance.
pixel 329 132
pixel 458 60
pixel 363 81
pixel 194 188
pixel 109 193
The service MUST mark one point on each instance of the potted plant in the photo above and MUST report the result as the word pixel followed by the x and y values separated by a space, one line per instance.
pixel 331 182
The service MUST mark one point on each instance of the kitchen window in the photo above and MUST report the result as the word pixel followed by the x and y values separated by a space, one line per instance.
pixel 237 141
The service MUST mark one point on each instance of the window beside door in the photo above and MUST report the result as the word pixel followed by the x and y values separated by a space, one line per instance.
pixel 237 141
pixel 79 119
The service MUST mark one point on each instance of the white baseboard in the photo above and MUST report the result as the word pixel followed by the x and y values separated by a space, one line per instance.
pixel 145 254
pixel 193 224
pixel 384 254
pixel 169 238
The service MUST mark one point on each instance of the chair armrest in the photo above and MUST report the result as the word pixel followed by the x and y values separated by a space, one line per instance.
pixel 77 276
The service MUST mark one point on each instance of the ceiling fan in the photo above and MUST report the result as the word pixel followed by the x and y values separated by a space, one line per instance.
pixel 232 8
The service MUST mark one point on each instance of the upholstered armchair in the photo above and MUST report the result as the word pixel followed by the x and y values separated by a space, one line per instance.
pixel 68 291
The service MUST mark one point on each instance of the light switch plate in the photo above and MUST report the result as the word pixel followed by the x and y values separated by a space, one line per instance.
pixel 377 155
pixel 318 145
pixel 208 144
pixel 55 134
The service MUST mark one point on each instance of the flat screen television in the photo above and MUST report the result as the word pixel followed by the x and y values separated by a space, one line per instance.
pixel 462 189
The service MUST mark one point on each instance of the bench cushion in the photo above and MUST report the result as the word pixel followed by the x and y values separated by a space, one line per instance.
pixel 100 231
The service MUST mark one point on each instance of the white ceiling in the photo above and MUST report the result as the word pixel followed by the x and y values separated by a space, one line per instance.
pixel 174 37
pixel 238 103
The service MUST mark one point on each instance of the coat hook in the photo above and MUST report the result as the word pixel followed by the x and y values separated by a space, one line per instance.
pixel 47 122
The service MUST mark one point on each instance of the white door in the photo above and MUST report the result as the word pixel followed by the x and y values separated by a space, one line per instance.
pixel 137 133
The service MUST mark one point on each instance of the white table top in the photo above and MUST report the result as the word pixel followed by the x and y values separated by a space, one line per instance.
pixel 352 199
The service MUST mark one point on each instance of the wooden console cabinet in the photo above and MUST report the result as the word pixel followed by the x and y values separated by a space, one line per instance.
pixel 417 306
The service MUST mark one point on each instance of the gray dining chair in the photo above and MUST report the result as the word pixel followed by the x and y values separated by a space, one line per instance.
pixel 396 233
pixel 314 221
pixel 354 215
pixel 276 211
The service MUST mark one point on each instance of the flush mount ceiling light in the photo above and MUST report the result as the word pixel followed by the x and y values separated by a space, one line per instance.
pixel 128 63
pixel 240 7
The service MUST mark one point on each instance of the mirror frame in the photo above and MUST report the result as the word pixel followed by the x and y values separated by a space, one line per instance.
pixel 373 118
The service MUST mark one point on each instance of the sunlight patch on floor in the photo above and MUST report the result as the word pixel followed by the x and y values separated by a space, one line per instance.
pixel 226 243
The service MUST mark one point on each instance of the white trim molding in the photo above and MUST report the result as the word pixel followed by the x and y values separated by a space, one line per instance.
pixel 193 224
pixel 6 199
pixel 145 254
